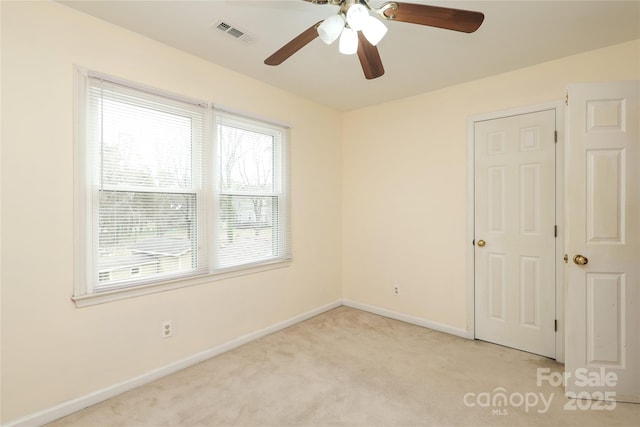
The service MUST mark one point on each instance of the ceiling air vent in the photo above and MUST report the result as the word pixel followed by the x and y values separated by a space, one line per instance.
pixel 234 31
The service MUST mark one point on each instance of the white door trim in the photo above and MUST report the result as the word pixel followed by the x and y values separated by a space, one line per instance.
pixel 558 106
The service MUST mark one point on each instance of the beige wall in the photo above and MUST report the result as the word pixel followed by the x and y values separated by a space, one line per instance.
pixel 52 351
pixel 404 182
pixel 375 202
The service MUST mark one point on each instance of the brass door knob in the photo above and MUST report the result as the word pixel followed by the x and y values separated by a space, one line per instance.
pixel 481 243
pixel 580 260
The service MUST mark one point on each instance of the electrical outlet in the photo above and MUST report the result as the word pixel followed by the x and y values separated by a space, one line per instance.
pixel 396 290
pixel 167 329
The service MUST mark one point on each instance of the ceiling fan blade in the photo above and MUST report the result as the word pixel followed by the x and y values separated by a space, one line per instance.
pixel 466 21
pixel 294 45
pixel 369 58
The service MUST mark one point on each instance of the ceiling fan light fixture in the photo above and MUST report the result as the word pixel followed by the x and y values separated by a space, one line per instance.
pixel 348 41
pixel 357 16
pixel 331 28
pixel 353 16
pixel 374 30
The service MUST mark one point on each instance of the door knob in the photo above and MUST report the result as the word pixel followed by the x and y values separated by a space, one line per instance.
pixel 580 259
pixel 481 243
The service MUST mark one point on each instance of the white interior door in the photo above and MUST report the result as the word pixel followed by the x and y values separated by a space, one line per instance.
pixel 515 231
pixel 603 217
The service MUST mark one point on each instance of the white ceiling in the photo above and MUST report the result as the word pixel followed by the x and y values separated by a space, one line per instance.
pixel 416 58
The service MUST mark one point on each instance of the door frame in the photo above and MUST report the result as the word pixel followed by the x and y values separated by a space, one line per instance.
pixel 559 108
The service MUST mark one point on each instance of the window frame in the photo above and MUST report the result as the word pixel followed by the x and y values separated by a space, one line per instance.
pixel 86 209
pixel 280 192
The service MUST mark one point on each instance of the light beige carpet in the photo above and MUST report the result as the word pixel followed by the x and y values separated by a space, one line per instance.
pixel 351 368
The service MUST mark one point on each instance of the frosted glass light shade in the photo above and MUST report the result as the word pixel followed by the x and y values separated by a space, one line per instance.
pixel 374 30
pixel 331 28
pixel 357 16
pixel 348 41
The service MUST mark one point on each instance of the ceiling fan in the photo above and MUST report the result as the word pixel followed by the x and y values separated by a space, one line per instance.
pixel 360 32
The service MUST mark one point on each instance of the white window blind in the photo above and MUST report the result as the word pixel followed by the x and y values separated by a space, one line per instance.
pixel 252 221
pixel 146 162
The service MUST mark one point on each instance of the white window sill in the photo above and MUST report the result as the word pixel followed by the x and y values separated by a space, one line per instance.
pixel 119 294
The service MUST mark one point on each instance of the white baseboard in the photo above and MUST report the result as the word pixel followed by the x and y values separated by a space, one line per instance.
pixel 66 408
pixel 71 406
pixel 409 319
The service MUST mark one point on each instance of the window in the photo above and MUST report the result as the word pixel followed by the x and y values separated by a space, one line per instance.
pixel 250 190
pixel 169 188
